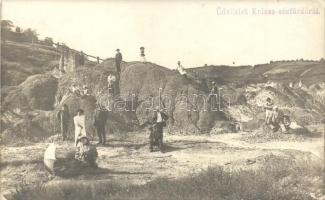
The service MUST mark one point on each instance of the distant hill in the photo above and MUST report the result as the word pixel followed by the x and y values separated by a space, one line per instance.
pixel 308 72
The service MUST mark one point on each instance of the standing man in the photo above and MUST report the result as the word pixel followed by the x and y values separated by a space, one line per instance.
pixel 156 135
pixel 79 125
pixel 118 60
pixel 100 118
pixel 142 55
pixel 268 110
pixel 63 117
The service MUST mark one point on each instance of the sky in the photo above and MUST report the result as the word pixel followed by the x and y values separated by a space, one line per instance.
pixel 194 32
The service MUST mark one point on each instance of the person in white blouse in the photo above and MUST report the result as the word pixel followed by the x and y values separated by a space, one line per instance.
pixel 181 69
pixel 79 125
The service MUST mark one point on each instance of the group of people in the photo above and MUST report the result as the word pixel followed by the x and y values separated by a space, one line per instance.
pixel 275 118
pixel 86 152
pixel 119 59
pixel 84 91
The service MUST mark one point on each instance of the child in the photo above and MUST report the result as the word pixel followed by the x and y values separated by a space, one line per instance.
pixel 85 152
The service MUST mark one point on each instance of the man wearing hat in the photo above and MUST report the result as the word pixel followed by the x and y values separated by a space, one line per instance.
pixel 156 134
pixel 118 61
pixel 100 118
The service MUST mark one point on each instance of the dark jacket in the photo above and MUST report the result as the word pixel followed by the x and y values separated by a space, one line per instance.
pixel 118 57
pixel 163 116
pixel 100 117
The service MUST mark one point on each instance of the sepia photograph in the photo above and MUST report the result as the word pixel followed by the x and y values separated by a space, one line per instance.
pixel 162 100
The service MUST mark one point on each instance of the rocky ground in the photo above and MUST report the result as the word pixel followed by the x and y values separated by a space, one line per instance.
pixel 126 158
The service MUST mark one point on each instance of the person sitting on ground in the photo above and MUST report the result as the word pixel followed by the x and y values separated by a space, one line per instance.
pixel 111 83
pixel 268 110
pixel 181 69
pixel 285 125
pixel 85 152
pixel 86 91
pixel 75 90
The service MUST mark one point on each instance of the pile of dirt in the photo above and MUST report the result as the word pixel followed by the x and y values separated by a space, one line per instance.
pixel 186 100
pixel 37 92
pixel 265 134
pixel 21 60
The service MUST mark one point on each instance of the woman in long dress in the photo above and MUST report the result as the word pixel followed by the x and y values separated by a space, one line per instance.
pixel 79 125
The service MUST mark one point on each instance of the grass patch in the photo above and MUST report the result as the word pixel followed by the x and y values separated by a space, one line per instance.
pixel 280 178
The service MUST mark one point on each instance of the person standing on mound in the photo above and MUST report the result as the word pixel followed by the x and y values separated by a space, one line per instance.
pixel 181 69
pixel 118 60
pixel 142 55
